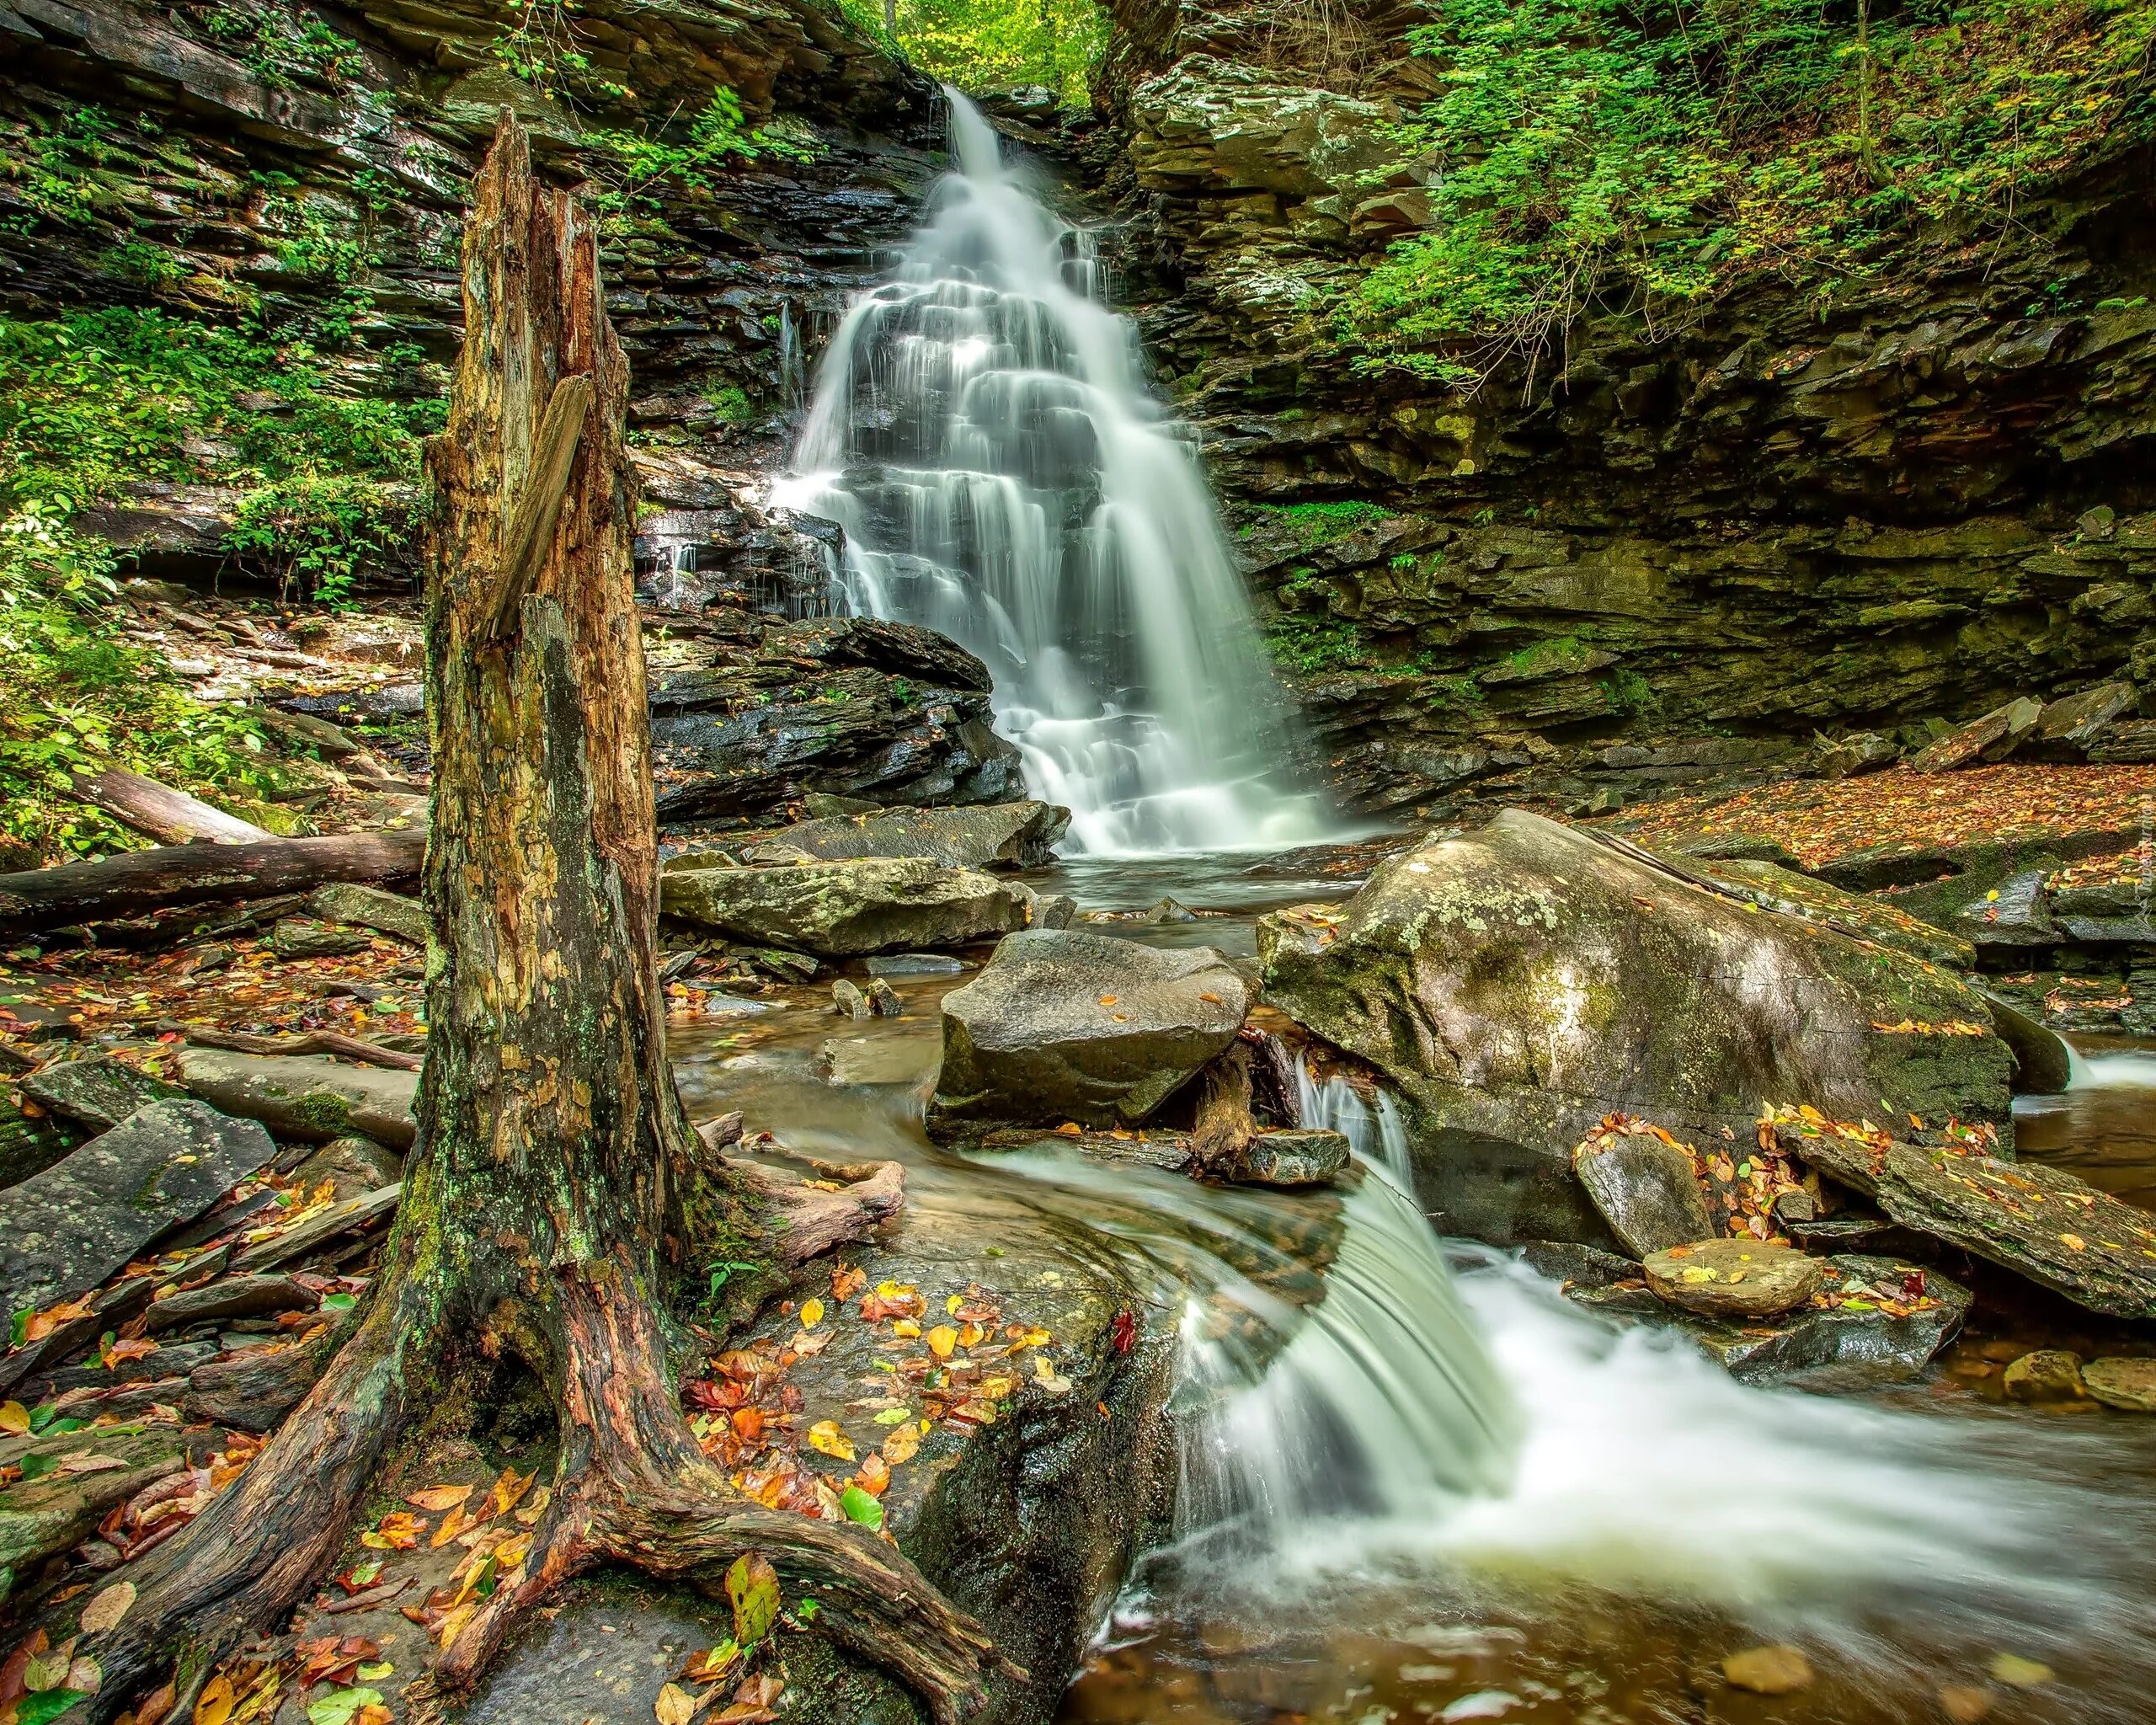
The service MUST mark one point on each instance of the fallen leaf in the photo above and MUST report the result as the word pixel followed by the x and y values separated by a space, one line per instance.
pixel 452 1524
pixel 2011 1668
pixel 752 1587
pixel 14 1420
pixel 1778 1669
pixel 675 1705
pixel 941 1340
pixel 825 1438
pixel 339 1706
pixel 437 1498
pixel 862 1509
pixel 847 1281
pixel 812 1313
pixel 510 1489
pixel 901 1444
pixel 213 1706
pixel 107 1607
pixel 1964 1704
pixel 1044 1374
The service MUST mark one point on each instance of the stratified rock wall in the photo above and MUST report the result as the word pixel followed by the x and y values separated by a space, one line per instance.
pixel 1657 557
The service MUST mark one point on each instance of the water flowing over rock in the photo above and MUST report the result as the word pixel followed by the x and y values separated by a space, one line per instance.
pixel 981 431
pixel 1522 982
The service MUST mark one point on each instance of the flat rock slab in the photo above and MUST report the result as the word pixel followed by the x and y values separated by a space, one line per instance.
pixel 1742 1278
pixel 97 1093
pixel 847 909
pixel 1065 1025
pixel 370 907
pixel 1867 1328
pixel 72 1225
pixel 307 1098
pixel 226 1297
pixel 2128 1384
pixel 303 937
pixel 1776 888
pixel 1646 1189
pixel 2040 1222
pixel 998 835
pixel 61 1507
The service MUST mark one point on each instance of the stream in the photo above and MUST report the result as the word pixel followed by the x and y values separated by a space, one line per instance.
pixel 1420 1485
pixel 1441 1492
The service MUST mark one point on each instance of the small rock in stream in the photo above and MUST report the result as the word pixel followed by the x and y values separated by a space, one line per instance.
pixel 1778 1669
pixel 2127 1384
pixel 2047 1374
pixel 1294 1157
pixel 848 999
pixel 884 999
pixel 1646 1189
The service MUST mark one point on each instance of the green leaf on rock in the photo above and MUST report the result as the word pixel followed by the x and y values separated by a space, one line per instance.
pixel 339 1705
pixel 50 1704
pixel 752 1585
pixel 860 1507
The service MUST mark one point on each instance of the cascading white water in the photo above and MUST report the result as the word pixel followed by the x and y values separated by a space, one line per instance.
pixel 980 428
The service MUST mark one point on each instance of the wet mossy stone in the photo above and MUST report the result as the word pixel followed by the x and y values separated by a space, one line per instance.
pixel 995 835
pixel 303 937
pixel 2128 1384
pixel 1517 983
pixel 73 1225
pixel 1646 1188
pixel 1062 1025
pixel 1740 1277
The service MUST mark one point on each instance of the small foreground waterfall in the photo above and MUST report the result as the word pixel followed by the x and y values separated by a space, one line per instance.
pixel 980 429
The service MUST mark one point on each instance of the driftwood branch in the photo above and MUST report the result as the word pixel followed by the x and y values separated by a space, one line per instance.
pixel 312 1042
pixel 134 883
pixel 164 814
pixel 532 528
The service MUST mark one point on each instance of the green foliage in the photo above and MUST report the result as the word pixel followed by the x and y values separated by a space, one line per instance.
pixel 1317 524
pixel 55 169
pixel 633 171
pixel 94 401
pixel 284 45
pixel 542 50
pixel 978 43
pixel 1647 152
pixel 1311 646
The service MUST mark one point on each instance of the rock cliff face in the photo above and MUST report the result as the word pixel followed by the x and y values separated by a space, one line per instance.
pixel 225 159
pixel 1665 553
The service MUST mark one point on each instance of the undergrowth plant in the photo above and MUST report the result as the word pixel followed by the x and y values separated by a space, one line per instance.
pixel 1646 154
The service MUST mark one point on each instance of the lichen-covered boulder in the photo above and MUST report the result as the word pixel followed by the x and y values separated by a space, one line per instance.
pixel 305 1098
pixel 1518 983
pixel 1065 1025
pixel 845 909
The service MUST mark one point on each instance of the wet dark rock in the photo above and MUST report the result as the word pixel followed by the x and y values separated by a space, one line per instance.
pixel 98 1092
pixel 1518 983
pixel 1065 1025
pixel 1291 1157
pixel 2127 1384
pixel 1739 1278
pixel 303 937
pixel 847 997
pixel 844 909
pixel 1862 752
pixel 2074 724
pixel 884 999
pixel 1577 1266
pixel 1738 847
pixel 2012 921
pixel 914 964
pixel 2047 1374
pixel 305 1098
pixel 998 835
pixel 881 713
pixel 72 1225
pixel 228 1297
pixel 352 1166
pixel 2039 1221
pixel 174 1361
pixel 1050 910
pixel 1850 1343
pixel 1168 909
pixel 1647 1190
pixel 1877 868
pixel 349 903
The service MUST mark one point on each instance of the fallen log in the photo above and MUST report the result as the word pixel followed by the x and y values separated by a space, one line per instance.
pixel 311 1042
pixel 137 882
pixel 160 811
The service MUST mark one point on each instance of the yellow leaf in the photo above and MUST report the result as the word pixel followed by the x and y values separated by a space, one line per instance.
pixel 15 1418
pixel 953 1303
pixel 452 1524
pixel 2076 1241
pixel 213 1706
pixel 941 1340
pixel 674 1706
pixel 1044 1374
pixel 901 1444
pixel 906 1327
pixel 510 1487
pixel 438 1498
pixel 825 1437
pixel 812 1313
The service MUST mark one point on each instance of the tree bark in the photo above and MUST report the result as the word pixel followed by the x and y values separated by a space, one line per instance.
pixel 554 1189
pixel 135 882
pixel 173 817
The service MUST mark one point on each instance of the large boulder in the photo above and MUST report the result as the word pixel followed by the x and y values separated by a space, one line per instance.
pixel 72 1225
pixel 845 909
pixel 1062 1025
pixel 1519 983
pixel 999 835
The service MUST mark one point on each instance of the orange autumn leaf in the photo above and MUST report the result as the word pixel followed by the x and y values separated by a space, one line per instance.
pixel 437 1498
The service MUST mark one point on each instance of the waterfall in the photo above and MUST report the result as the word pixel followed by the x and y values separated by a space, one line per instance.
pixel 980 427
